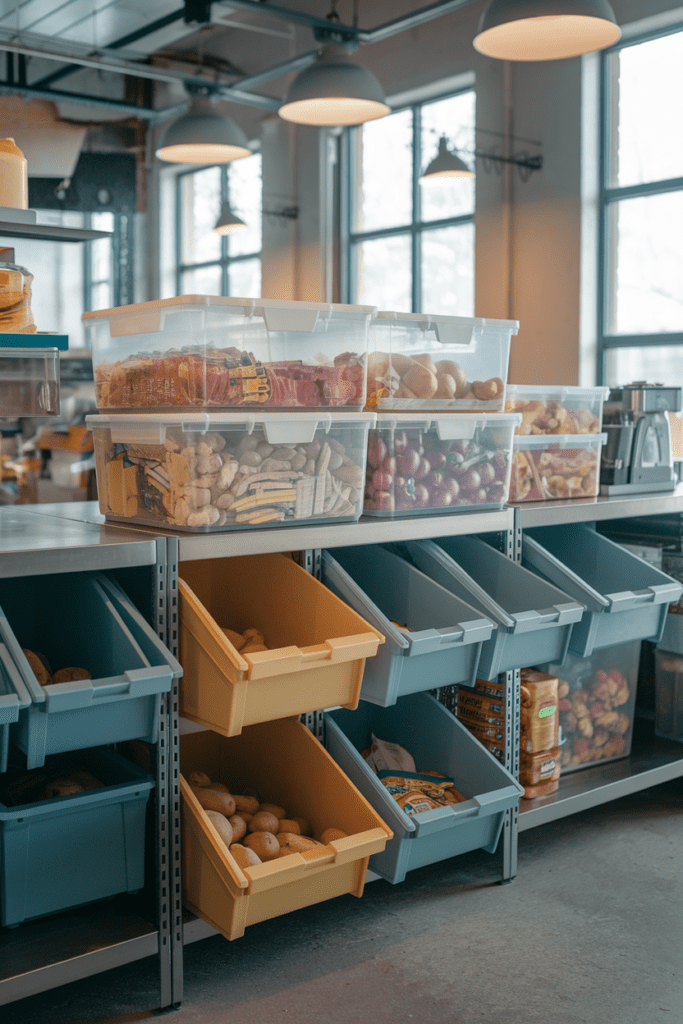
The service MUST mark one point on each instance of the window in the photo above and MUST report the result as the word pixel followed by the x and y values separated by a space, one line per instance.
pixel 641 288
pixel 410 247
pixel 211 264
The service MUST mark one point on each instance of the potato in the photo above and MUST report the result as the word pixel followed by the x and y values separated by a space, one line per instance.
pixel 294 843
pixel 304 826
pixel 198 779
pixel 426 360
pixel 275 809
pixel 332 833
pixel 421 381
pixel 245 803
pixel 38 666
pixel 239 828
pixel 220 787
pixel 222 825
pixel 245 857
pixel 236 639
pixel 214 800
pixel 455 371
pixel 263 821
pixel 289 825
pixel 447 386
pixel 253 648
pixel 264 845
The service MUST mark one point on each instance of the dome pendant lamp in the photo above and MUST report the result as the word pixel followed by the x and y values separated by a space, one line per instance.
pixel 334 91
pixel 445 165
pixel 227 221
pixel 545 29
pixel 202 136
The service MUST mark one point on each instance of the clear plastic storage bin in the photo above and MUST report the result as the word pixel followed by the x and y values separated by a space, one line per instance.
pixel 82 620
pixel 597 705
pixel 200 472
pixel 438 742
pixel 69 850
pixel 458 462
pixel 442 642
pixel 29 381
pixel 545 467
pixel 556 410
pixel 534 618
pixel 287 765
pixel 625 598
pixel 421 362
pixel 210 351
pixel 317 644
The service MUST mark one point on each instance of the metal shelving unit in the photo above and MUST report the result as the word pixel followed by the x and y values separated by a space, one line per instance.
pixel 652 760
pixel 48 232
pixel 74 536
pixel 42 954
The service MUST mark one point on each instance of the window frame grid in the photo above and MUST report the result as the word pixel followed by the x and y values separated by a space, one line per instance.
pixel 611 194
pixel 349 153
pixel 225 259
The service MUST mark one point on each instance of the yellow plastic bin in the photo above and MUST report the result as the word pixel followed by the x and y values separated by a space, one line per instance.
pixel 287 765
pixel 317 644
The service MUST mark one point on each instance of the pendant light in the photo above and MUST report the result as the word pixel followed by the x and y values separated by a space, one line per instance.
pixel 445 165
pixel 227 221
pixel 545 29
pixel 202 136
pixel 334 91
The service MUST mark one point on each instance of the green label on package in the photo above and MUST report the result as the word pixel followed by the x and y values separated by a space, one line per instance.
pixel 547 711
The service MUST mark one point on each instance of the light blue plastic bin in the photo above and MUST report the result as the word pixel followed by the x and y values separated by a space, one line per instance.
pixel 439 742
pixel 534 618
pixel 625 597
pixel 84 620
pixel 61 853
pixel 447 635
pixel 14 698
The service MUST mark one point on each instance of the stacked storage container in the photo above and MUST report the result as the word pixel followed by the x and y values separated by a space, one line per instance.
pixel 443 442
pixel 558 444
pixel 80 669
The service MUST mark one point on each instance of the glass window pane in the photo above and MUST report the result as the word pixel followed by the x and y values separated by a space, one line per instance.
pixel 384 172
pixel 244 191
pixel 384 275
pixel 202 281
pixel 648 80
pixel 454 118
pixel 244 279
pixel 100 296
pixel 644 279
pixel 200 203
pixel 448 271
pixel 656 363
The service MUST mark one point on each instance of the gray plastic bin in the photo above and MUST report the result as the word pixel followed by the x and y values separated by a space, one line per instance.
pixel 625 597
pixel 439 742
pixel 444 646
pixel 669 680
pixel 60 853
pixel 84 620
pixel 534 618
pixel 14 698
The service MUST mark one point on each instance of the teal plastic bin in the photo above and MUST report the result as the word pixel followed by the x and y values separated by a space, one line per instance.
pixel 84 620
pixel 14 698
pixel 444 645
pixel 70 850
pixel 439 742
pixel 534 618
pixel 625 597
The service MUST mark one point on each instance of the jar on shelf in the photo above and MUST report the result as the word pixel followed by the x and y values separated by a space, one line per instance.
pixel 16 315
pixel 13 176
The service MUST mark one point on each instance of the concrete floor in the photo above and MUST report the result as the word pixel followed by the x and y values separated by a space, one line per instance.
pixel 590 932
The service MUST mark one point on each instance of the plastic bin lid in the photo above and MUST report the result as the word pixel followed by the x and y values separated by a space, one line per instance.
pixel 526 442
pixel 451 426
pixel 279 428
pixel 555 391
pixel 425 320
pixel 242 307
pixel 13 692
